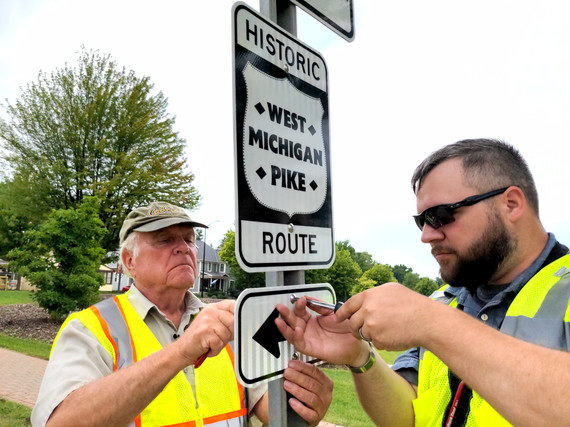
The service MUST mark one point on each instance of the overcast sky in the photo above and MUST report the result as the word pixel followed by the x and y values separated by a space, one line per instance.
pixel 418 75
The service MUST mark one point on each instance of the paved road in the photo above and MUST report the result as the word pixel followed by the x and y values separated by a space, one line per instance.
pixel 21 376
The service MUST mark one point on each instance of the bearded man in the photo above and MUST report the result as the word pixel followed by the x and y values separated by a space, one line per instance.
pixel 489 349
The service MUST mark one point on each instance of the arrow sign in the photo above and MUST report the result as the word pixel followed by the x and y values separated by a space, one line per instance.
pixel 268 336
pixel 262 354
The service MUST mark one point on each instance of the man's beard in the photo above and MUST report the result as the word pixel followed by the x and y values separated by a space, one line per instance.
pixel 482 260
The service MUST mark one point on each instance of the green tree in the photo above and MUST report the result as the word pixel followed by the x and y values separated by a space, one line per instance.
pixel 62 258
pixel 410 280
pixel 400 272
pixel 94 129
pixel 363 259
pixel 345 244
pixel 362 284
pixel 426 286
pixel 342 275
pixel 242 278
pixel 380 274
pixel 317 276
pixel 13 220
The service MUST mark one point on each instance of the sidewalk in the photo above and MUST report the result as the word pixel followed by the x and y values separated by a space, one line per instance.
pixel 21 376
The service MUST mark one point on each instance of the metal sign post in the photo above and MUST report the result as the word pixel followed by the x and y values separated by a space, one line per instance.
pixel 283 172
pixel 280 413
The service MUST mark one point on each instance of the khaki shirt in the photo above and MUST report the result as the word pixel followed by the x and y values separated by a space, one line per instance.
pixel 78 358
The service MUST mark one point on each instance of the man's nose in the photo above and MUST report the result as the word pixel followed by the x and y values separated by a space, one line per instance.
pixel 429 234
pixel 182 246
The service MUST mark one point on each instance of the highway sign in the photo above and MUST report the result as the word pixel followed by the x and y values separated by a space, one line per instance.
pixel 261 352
pixel 338 15
pixel 283 188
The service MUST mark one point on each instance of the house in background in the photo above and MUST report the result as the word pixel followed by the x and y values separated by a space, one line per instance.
pixel 214 275
pixel 6 277
pixel 212 271
pixel 115 278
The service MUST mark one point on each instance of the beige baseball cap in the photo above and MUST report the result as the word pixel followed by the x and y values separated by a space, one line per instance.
pixel 154 217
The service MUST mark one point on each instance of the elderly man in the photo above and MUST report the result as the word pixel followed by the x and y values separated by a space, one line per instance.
pixel 491 348
pixel 157 356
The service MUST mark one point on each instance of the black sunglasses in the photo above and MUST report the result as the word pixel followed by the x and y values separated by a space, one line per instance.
pixel 440 215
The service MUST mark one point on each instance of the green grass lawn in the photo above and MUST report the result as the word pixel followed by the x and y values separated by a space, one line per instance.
pixel 15 297
pixel 35 348
pixel 345 410
pixel 13 414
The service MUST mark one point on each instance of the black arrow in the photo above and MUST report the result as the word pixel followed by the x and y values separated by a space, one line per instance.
pixel 268 336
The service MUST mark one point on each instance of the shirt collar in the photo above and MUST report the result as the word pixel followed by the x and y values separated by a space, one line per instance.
pixel 142 305
pixel 462 294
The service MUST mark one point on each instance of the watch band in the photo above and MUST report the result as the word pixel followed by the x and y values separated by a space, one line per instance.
pixel 367 365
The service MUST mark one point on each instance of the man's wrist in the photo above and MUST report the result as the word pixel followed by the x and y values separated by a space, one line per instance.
pixel 364 358
pixel 366 365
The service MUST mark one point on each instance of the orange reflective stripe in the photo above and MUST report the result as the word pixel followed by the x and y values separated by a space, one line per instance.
pixel 223 417
pixel 186 424
pixel 118 302
pixel 240 387
pixel 230 353
pixel 105 328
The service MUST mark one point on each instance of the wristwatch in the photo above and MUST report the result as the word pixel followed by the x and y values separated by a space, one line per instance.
pixel 367 365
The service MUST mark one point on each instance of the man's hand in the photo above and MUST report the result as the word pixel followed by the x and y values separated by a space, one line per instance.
pixel 311 389
pixel 324 337
pixel 391 315
pixel 209 332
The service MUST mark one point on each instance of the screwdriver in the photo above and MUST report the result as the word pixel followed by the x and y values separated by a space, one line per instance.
pixel 200 360
pixel 333 307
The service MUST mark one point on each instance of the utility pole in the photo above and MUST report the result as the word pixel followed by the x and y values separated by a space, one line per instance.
pixel 204 259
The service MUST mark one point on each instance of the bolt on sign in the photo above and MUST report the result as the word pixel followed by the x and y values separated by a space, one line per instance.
pixel 281 120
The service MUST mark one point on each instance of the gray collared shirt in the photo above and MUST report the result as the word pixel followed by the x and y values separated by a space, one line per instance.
pixel 491 311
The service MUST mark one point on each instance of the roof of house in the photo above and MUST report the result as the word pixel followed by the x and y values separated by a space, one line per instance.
pixel 211 253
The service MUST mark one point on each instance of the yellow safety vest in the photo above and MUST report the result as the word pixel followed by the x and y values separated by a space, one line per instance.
pixel 219 396
pixel 539 314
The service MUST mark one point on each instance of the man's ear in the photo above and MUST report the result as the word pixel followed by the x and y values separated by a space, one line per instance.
pixel 514 203
pixel 127 259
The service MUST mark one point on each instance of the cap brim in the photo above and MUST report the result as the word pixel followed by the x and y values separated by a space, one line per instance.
pixel 166 222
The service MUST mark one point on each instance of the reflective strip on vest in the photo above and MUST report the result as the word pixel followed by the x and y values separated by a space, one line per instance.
pixel 543 301
pixel 539 314
pixel 111 315
pixel 220 398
